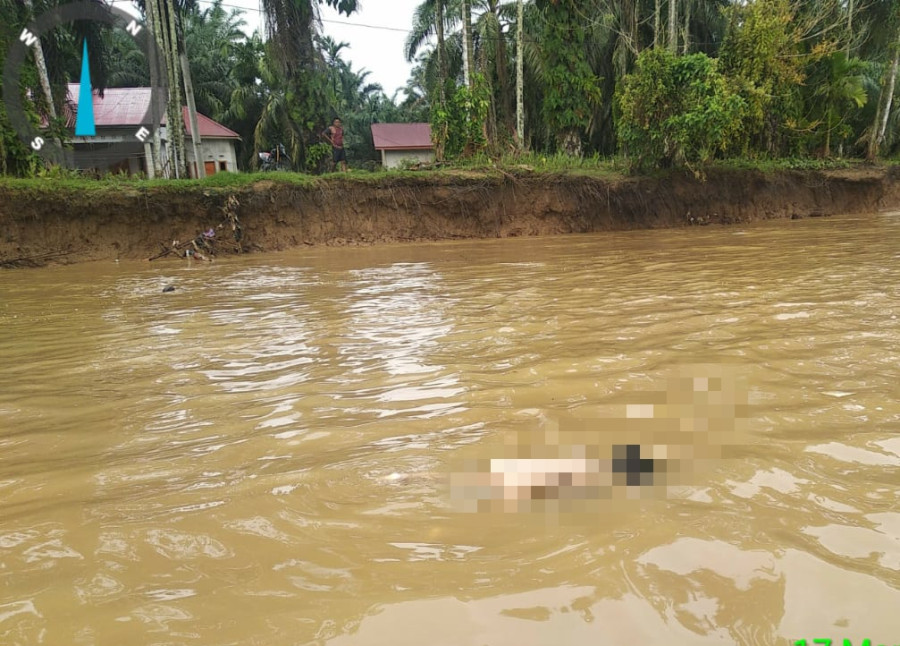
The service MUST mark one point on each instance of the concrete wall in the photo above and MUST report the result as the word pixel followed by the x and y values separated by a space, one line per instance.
pixel 117 150
pixel 392 158
pixel 214 150
pixel 211 149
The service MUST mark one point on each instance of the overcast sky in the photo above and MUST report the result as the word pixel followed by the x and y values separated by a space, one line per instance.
pixel 377 47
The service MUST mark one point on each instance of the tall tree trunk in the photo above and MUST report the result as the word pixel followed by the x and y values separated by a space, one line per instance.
pixel 192 111
pixel 849 27
pixel 179 131
pixel 468 63
pixel 440 138
pixel 687 27
pixel 162 16
pixel 673 26
pixel 44 77
pixel 442 55
pixel 657 20
pixel 504 105
pixel 172 117
pixel 156 14
pixel 154 22
pixel 520 75
pixel 155 161
pixel 635 28
pixel 884 107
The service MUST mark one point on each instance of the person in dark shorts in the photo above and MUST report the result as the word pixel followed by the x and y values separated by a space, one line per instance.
pixel 335 136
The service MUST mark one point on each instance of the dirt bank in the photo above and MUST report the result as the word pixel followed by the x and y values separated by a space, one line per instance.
pixel 47 222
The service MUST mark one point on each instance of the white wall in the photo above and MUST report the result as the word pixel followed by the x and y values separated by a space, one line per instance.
pixel 392 158
pixel 214 150
pixel 211 149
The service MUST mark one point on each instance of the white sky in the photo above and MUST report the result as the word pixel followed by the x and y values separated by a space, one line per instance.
pixel 372 48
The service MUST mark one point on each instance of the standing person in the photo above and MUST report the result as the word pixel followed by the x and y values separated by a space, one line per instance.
pixel 335 136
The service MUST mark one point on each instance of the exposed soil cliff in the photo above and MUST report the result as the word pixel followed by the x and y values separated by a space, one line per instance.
pixel 70 225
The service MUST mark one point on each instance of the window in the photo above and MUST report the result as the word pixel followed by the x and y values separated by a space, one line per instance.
pixel 223 165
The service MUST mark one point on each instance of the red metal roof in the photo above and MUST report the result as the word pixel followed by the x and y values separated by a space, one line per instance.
pixel 126 106
pixel 208 127
pixel 119 106
pixel 403 136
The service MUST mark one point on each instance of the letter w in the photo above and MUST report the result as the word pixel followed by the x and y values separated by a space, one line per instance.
pixel 27 37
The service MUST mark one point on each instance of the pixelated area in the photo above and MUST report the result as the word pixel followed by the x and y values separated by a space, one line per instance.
pixel 641 449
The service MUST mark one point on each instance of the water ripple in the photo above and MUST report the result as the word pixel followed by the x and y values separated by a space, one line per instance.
pixel 260 456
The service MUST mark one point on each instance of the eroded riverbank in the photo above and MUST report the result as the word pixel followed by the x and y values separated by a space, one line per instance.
pixel 57 222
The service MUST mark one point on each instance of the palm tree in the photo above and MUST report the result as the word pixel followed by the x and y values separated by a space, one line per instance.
pixel 416 90
pixel 876 138
pixel 292 26
pixel 493 62
pixel 212 40
pixel 247 95
pixel 128 67
pixel 483 48
pixel 883 39
pixel 266 104
pixel 434 18
pixel 424 25
pixel 840 86
pixel 335 68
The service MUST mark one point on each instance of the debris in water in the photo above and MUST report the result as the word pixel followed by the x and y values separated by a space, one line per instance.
pixel 168 288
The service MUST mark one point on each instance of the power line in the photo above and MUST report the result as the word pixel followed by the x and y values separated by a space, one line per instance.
pixel 528 40
pixel 359 24
pixel 260 11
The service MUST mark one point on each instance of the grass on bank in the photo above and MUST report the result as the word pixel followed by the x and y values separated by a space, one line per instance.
pixel 528 164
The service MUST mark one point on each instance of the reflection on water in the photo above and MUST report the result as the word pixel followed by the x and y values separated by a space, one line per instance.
pixel 257 457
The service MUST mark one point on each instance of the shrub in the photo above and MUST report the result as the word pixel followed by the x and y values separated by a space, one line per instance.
pixel 457 127
pixel 676 110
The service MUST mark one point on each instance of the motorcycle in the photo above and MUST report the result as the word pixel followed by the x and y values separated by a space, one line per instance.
pixel 275 159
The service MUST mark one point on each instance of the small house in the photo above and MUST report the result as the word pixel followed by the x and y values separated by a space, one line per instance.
pixel 399 142
pixel 119 112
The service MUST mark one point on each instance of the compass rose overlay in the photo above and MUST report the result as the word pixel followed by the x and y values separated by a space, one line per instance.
pixel 81 130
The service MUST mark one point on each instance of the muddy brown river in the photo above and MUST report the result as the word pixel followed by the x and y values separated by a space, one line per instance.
pixel 259 457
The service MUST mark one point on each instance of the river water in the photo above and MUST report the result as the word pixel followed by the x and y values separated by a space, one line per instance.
pixel 258 457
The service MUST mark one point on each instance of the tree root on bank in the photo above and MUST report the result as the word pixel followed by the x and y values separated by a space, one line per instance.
pixel 203 246
pixel 34 261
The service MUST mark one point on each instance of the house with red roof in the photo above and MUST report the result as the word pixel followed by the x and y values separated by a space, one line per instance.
pixel 120 111
pixel 403 142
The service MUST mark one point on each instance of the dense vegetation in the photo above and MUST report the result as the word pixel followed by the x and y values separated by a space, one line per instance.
pixel 655 83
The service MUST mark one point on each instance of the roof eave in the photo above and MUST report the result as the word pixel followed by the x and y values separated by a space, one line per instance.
pixel 403 147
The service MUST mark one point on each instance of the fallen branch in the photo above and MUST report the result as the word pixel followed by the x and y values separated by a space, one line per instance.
pixel 165 252
pixel 203 247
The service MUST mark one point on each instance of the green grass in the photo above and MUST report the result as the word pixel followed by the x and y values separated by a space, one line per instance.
pixel 527 164
pixel 787 163
pixel 72 182
pixel 543 164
